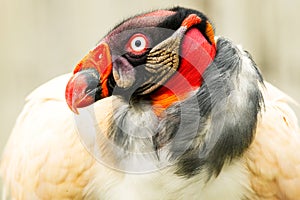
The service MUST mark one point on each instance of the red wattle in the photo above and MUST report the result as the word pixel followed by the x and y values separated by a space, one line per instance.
pixel 196 55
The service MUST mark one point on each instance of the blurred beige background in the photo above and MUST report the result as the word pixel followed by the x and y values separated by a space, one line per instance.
pixel 43 39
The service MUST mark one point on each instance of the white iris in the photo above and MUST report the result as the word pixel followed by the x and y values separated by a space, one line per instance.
pixel 138 44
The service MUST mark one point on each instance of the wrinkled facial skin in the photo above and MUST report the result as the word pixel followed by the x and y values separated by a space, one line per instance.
pixel 129 67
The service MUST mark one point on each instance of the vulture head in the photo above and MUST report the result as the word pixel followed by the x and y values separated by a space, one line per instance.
pixel 159 56
pixel 204 91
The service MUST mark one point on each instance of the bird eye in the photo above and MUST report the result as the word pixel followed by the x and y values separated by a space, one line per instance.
pixel 138 44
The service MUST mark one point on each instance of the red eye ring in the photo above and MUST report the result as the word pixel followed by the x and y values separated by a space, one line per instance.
pixel 138 44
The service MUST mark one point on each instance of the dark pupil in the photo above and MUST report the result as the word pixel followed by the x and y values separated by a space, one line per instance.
pixel 137 43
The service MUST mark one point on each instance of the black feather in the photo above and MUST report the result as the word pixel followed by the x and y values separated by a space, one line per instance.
pixel 174 21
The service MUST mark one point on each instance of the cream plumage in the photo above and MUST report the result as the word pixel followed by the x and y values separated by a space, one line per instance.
pixel 48 156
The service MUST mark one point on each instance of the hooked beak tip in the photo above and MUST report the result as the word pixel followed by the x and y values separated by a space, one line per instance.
pixel 69 96
pixel 81 89
pixel 73 108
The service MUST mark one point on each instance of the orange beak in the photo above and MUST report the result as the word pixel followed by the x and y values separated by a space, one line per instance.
pixel 89 82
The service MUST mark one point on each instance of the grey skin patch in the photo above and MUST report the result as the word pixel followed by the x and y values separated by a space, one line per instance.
pixel 123 73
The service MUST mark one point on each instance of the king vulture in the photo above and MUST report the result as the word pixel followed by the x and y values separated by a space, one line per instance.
pixel 160 108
